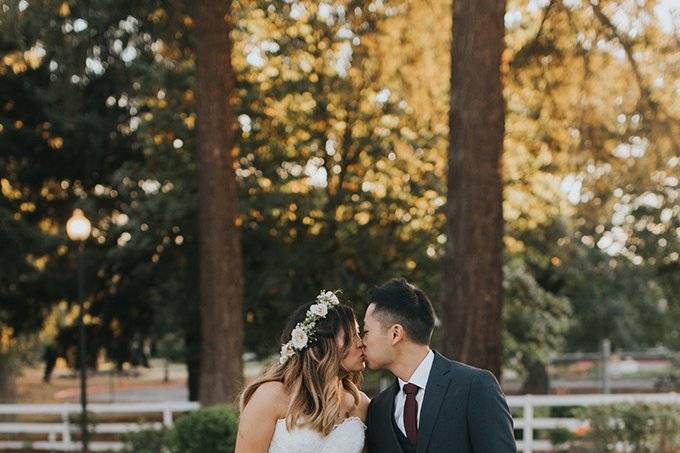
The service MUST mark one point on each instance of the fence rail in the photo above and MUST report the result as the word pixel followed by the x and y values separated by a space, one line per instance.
pixel 59 435
pixel 528 423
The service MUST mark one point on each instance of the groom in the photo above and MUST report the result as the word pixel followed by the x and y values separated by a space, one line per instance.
pixel 435 405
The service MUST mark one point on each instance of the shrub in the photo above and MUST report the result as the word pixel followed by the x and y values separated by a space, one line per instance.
pixel 640 428
pixel 147 441
pixel 560 437
pixel 209 430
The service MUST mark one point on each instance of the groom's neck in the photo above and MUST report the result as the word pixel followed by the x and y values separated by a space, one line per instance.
pixel 408 359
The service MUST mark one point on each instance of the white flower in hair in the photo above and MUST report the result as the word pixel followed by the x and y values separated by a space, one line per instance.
pixel 286 352
pixel 303 333
pixel 328 297
pixel 319 309
pixel 299 338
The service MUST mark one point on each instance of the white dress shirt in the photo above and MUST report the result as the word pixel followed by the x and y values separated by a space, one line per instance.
pixel 419 378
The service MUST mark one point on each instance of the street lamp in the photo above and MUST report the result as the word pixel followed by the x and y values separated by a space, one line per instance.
pixel 78 230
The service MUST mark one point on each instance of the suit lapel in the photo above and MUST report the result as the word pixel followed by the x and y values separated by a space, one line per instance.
pixel 437 385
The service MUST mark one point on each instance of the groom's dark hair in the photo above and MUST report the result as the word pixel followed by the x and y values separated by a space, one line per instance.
pixel 400 302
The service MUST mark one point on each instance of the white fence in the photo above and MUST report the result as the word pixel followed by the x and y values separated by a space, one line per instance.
pixel 58 434
pixel 527 423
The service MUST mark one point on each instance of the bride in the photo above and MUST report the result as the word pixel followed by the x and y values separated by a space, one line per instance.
pixel 309 401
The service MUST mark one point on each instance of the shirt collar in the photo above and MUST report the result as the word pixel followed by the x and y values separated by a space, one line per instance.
pixel 422 373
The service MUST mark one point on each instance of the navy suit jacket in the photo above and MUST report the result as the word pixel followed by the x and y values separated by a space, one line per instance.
pixel 464 411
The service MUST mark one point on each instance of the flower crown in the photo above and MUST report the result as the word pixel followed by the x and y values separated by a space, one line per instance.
pixel 303 333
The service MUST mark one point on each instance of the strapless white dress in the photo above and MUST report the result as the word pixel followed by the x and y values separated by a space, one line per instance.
pixel 346 437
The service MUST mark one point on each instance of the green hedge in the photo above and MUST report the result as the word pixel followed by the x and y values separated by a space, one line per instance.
pixel 147 441
pixel 209 430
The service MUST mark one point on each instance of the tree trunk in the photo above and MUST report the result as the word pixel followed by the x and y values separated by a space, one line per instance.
pixel 472 291
pixel 221 278
pixel 537 381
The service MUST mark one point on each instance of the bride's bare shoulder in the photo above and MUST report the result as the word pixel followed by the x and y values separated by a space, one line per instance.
pixel 360 408
pixel 272 389
pixel 269 398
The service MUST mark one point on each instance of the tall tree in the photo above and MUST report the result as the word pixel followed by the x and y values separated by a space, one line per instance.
pixel 221 277
pixel 472 285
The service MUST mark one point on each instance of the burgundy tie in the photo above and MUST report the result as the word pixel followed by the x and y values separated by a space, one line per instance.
pixel 411 412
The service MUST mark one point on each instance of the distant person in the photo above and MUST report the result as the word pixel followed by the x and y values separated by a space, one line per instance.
pixel 50 358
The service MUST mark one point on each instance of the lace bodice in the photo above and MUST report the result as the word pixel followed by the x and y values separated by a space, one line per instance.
pixel 346 437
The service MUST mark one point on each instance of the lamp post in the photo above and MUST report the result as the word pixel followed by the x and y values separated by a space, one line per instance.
pixel 78 230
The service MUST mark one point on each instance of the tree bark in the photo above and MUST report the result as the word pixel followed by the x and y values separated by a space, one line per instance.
pixel 221 279
pixel 472 291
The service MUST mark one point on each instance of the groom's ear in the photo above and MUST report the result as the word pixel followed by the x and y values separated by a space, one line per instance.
pixel 397 333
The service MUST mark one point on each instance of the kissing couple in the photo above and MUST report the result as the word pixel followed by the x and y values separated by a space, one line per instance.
pixel 310 400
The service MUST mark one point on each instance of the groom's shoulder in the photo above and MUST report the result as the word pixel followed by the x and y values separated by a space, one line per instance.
pixel 464 372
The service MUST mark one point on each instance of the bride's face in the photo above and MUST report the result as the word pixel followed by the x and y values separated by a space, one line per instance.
pixel 354 358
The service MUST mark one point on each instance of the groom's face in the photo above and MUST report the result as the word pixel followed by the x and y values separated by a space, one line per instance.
pixel 378 347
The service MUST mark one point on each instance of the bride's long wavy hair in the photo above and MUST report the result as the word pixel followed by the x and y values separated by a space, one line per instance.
pixel 313 377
